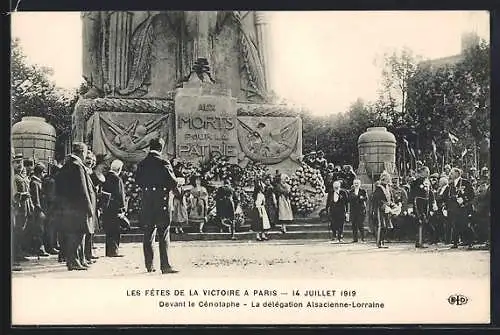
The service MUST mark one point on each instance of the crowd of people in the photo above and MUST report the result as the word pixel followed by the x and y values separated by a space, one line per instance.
pixel 450 207
pixel 57 209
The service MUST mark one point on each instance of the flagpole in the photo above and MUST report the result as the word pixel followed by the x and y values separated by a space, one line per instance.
pixel 475 155
pixel 404 161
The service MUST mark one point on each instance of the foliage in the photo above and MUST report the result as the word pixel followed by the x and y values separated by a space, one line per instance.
pixel 451 98
pixel 34 94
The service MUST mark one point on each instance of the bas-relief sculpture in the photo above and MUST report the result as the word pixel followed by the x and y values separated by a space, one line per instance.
pixel 150 72
pixel 148 54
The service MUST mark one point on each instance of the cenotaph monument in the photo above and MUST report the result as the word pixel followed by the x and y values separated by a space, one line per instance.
pixel 200 80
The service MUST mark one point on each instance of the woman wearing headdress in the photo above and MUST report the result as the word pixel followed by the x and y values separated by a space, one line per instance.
pixel 260 222
pixel 199 202
pixel 282 190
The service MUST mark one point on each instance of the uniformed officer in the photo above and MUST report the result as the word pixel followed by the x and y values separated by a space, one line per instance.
pixel 156 178
pixel 23 207
pixel 424 204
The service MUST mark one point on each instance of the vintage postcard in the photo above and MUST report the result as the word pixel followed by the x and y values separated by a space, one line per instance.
pixel 250 167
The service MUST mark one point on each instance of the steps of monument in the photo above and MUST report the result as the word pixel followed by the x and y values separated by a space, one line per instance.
pixel 248 235
pixel 300 228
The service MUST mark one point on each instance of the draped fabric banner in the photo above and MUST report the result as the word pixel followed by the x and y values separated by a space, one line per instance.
pixel 126 136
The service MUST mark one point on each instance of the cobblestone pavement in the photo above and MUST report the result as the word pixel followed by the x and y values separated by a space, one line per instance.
pixel 275 259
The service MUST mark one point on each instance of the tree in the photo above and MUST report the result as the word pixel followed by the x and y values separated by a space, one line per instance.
pixel 34 94
pixel 398 68
pixel 451 98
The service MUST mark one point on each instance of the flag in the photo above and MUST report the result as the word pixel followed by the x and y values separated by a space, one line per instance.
pixel 407 145
pixel 434 149
pixel 413 153
pixel 463 153
pixel 453 138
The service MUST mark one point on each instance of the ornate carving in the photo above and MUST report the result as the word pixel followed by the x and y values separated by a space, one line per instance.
pixel 87 107
pixel 264 142
pixel 246 109
pixel 127 142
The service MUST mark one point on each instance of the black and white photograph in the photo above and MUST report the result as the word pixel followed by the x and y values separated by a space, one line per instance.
pixel 250 167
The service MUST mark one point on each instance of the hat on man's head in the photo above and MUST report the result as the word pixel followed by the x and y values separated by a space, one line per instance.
pixel 17 157
pixel 40 167
pixel 434 175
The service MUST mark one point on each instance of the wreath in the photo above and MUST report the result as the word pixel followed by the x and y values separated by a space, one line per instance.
pixel 307 190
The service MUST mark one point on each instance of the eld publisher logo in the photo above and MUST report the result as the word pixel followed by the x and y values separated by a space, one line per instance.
pixel 457 299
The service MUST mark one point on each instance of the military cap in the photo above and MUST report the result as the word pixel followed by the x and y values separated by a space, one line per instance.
pixel 434 175
pixel 17 157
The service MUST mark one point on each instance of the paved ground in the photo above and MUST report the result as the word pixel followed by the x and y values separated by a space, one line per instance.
pixel 275 259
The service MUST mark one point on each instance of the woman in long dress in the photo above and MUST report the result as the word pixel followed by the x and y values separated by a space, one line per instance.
pixel 282 190
pixel 260 223
pixel 179 212
pixel 271 202
pixel 199 203
pixel 224 202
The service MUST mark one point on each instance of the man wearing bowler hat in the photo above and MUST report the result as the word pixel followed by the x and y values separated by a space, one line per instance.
pixel 156 178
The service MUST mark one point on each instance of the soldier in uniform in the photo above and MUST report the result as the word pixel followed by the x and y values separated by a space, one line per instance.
pixel 23 207
pixel 424 204
pixel 460 196
pixel 357 209
pixel 156 178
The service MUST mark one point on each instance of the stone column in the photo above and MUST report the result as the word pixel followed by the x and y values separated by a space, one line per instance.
pixel 261 28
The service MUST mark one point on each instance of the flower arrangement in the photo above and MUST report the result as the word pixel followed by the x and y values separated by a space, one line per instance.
pixel 307 189
pixel 132 192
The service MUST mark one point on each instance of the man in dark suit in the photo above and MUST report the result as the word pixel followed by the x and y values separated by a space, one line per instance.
pixel 156 179
pixel 337 206
pixel 88 257
pixel 116 208
pixel 37 219
pixel 460 198
pixel 357 209
pixel 77 210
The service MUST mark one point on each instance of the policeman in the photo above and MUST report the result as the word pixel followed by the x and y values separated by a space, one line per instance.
pixel 156 178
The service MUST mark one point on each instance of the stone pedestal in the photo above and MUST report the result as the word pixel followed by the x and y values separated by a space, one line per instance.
pixel 205 122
